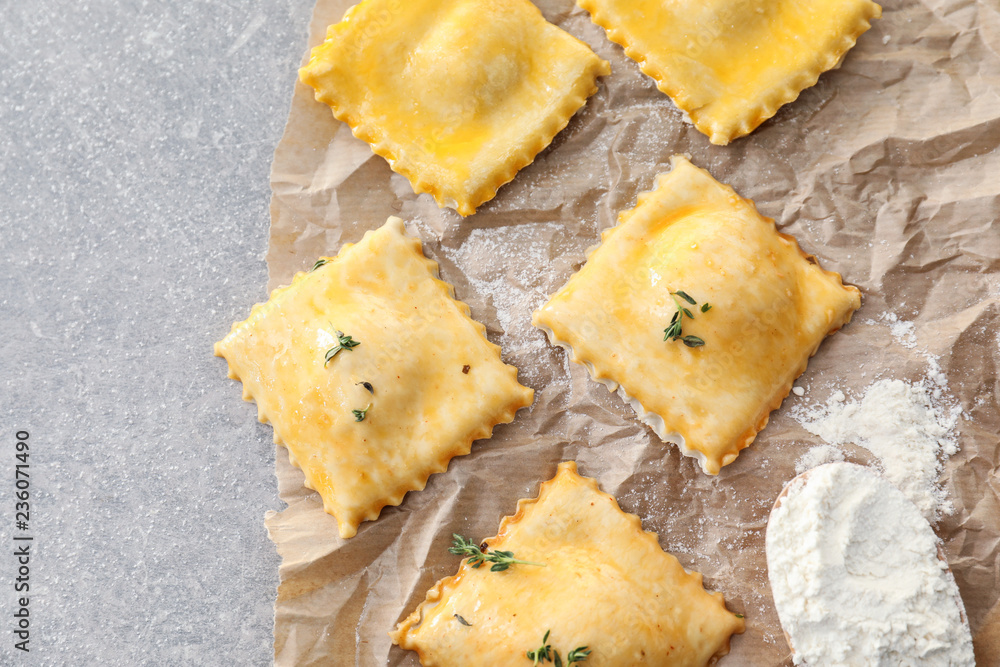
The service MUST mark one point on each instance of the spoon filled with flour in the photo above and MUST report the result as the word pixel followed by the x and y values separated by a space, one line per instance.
pixel 858 576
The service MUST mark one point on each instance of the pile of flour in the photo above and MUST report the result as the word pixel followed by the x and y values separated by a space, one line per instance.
pixel 907 426
pixel 856 578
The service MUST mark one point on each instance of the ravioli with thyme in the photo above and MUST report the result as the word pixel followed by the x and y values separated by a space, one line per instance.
pixel 699 312
pixel 730 64
pixel 371 373
pixel 458 95
pixel 603 589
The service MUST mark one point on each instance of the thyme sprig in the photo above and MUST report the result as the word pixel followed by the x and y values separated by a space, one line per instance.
pixel 344 342
pixel 543 652
pixel 501 560
pixel 359 415
pixel 546 652
pixel 675 330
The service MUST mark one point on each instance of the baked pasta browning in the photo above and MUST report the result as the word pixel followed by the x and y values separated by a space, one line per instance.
pixel 458 95
pixel 730 64
pixel 606 584
pixel 374 421
pixel 771 307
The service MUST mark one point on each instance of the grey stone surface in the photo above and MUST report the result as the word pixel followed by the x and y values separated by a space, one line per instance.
pixel 135 142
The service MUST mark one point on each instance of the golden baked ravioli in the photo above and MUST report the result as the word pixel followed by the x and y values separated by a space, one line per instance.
pixel 755 309
pixel 730 64
pixel 458 95
pixel 371 373
pixel 604 586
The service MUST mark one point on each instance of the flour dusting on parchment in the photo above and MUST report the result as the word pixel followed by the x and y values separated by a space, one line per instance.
pixel 909 427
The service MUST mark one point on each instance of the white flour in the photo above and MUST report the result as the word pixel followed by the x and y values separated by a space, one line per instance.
pixel 904 332
pixel 856 578
pixel 900 424
pixel 817 456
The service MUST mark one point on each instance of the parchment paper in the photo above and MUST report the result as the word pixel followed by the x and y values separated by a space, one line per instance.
pixel 887 170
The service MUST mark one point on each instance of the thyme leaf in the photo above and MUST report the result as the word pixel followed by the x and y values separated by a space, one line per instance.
pixel 319 262
pixel 675 330
pixel 359 415
pixel 501 560
pixel 462 621
pixel 344 342
pixel 692 341
pixel 684 295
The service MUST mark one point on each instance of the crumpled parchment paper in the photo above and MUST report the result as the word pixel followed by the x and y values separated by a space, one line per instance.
pixel 888 170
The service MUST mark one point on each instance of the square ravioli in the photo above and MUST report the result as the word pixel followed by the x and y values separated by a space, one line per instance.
pixel 731 64
pixel 458 95
pixel 708 383
pixel 604 585
pixel 372 374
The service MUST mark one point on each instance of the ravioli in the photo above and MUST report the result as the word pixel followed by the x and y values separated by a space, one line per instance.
pixel 605 584
pixel 458 95
pixel 730 64
pixel 771 305
pixel 413 383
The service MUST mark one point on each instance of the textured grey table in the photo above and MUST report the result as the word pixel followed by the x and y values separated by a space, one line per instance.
pixel 135 142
